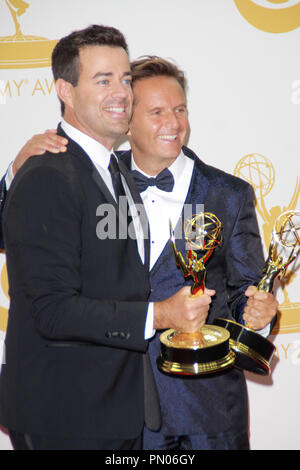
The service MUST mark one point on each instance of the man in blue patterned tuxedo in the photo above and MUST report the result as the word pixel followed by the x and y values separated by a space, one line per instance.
pixel 197 412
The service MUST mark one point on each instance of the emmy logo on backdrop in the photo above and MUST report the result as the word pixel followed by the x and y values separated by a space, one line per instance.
pixel 20 50
pixel 271 16
pixel 257 170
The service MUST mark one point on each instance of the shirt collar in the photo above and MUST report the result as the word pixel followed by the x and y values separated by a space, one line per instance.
pixel 99 154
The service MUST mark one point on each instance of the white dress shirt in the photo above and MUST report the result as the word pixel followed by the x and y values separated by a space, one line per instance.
pixel 99 154
pixel 162 207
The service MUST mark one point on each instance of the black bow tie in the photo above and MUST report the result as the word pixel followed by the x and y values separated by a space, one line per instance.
pixel 164 180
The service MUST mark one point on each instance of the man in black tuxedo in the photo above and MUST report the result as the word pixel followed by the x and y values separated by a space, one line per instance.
pixel 80 320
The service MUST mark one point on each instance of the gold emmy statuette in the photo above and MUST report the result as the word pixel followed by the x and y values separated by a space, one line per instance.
pixel 253 351
pixel 20 50
pixel 207 350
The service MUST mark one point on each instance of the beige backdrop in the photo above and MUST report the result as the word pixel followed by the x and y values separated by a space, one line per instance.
pixel 242 63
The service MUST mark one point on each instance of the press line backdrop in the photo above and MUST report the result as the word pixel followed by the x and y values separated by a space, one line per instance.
pixel 242 62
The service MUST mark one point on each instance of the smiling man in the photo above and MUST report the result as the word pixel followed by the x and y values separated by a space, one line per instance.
pixel 159 126
pixel 77 375
pixel 100 102
pixel 205 412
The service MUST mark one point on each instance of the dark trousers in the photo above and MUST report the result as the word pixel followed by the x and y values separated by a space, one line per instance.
pixel 227 441
pixel 32 442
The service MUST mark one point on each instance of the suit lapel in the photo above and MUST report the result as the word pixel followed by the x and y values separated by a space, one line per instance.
pixel 199 185
pixel 103 188
pixel 206 187
pixel 198 188
pixel 125 169
pixel 76 150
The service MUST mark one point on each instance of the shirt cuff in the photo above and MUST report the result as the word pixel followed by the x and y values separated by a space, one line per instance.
pixel 264 331
pixel 9 176
pixel 149 330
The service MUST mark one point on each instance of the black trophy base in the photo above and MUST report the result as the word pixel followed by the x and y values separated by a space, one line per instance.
pixel 253 352
pixel 205 352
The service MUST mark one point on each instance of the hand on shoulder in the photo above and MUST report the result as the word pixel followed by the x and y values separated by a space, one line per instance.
pixel 38 145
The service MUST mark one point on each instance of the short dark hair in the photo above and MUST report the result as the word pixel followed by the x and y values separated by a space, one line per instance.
pixel 154 66
pixel 65 56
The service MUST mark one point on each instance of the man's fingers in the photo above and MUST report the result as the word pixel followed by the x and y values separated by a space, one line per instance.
pixel 47 142
pixel 251 290
pixel 209 292
pixel 183 311
pixel 260 309
pixel 51 131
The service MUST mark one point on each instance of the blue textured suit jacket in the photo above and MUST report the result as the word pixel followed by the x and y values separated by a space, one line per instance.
pixel 216 404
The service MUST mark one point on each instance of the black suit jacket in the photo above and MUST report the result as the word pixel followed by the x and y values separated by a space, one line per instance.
pixel 75 336
pixel 3 193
